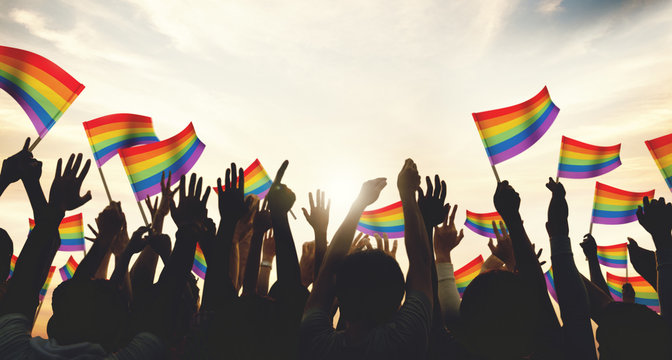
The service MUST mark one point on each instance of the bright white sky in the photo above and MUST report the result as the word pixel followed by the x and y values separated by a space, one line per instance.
pixel 347 90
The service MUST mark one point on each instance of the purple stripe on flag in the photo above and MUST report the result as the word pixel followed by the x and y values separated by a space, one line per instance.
pixel 588 174
pixel 614 221
pixel 529 141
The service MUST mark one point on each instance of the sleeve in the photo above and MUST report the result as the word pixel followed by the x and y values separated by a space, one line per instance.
pixel 143 346
pixel 315 334
pixel 449 298
pixel 411 326
pixel 14 336
pixel 664 258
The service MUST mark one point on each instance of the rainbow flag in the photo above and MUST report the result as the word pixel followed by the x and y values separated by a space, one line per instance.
pixel 615 256
pixel 68 270
pixel 644 292
pixel 661 150
pixel 200 267
pixel 482 223
pixel 388 220
pixel 12 265
pixel 71 231
pixel 614 206
pixel 144 164
pixel 579 160
pixel 42 88
pixel 509 131
pixel 467 273
pixel 550 284
pixel 45 287
pixel 110 133
pixel 257 181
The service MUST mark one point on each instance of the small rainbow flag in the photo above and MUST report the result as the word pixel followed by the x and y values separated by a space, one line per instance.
pixel 200 267
pixel 144 164
pixel 614 206
pixel 509 131
pixel 579 160
pixel 45 287
pixel 482 223
pixel 68 270
pixel 550 284
pixel 110 133
pixel 12 265
pixel 71 231
pixel 467 273
pixel 388 220
pixel 644 292
pixel 661 150
pixel 615 256
pixel 42 88
pixel 257 181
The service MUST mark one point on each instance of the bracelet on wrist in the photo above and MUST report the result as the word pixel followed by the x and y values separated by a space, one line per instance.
pixel 267 264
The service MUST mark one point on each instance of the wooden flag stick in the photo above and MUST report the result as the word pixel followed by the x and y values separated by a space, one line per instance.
pixel 494 170
pixel 142 211
pixel 107 190
pixel 32 147
pixel 590 230
pixel 37 312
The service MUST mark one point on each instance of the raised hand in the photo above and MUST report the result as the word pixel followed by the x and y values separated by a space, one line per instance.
pixel 504 248
pixel 506 200
pixel 268 250
pixel 656 218
pixel 446 237
pixel 541 263
pixel 361 242
pixel 95 234
pixel 318 217
pixel 628 293
pixel 161 208
pixel 231 200
pixel 64 194
pixel 384 245
pixel 589 247
pixel 161 245
pixel 408 180
pixel 307 263
pixel 192 208
pixel 432 203
pixel 12 166
pixel 137 241
pixel 110 221
pixel 557 210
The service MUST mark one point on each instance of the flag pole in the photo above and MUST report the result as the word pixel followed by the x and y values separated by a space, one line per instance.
pixel 37 312
pixel 32 147
pixel 494 170
pixel 107 190
pixel 142 211
pixel 590 230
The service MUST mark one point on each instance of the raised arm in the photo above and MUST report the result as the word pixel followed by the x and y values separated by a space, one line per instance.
pixel 446 238
pixel 589 247
pixel 261 224
pixel 644 262
pixel 656 217
pixel 318 218
pixel 572 295
pixel 323 293
pixel 40 248
pixel 110 222
pixel 134 246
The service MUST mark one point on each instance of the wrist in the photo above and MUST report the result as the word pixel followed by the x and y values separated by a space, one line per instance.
pixel 266 264
pixel 320 233
pixel 443 258
pixel 267 258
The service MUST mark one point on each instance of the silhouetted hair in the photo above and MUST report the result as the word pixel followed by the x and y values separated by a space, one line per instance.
pixel 369 286
pixel 498 316
pixel 88 310
pixel 6 251
pixel 633 331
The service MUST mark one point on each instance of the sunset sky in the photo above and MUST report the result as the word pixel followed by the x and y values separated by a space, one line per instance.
pixel 347 90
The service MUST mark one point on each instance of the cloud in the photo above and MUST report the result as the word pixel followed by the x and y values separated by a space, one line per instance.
pixel 550 6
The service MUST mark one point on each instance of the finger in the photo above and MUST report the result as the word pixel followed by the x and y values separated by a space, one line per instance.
pixel 497 234
pixel 367 243
pixel 442 196
pixel 437 189
pixel 281 172
pixel 310 201
pixel 430 188
pixel 328 206
pixel 183 186
pixel 452 215
pixel 241 179
pixel 379 241
pixel 68 165
pixel 156 203
pixel 446 211
pixel 460 236
pixel 491 245
pixel 234 175
pixel 148 203
pixel 169 183
pixel 227 179
pixel 421 194
pixel 85 170
pixel 77 164
pixel 92 230
pixel 394 248
pixel 322 199
pixel 206 196
pixel 318 199
pixel 386 243
pixel 646 202
pixel 640 212
pixel 26 145
pixel 542 263
pixel 219 186
pixel 199 187
pixel 503 229
pixel 59 165
pixel 84 199
pixel 192 184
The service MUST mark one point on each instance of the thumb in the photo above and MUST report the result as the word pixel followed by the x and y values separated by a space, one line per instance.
pixel 491 245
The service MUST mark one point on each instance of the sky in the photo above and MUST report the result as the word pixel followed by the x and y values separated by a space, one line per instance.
pixel 347 90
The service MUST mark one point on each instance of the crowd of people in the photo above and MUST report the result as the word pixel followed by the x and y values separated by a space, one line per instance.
pixel 504 313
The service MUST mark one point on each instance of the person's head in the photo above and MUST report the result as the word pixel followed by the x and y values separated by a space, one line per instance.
pixel 632 331
pixel 88 310
pixel 6 251
pixel 369 287
pixel 498 316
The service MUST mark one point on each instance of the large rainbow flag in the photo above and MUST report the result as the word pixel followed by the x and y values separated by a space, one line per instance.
pixel 644 292
pixel 144 164
pixel 110 133
pixel 42 88
pixel 12 265
pixel 467 273
pixel 661 150
pixel 615 206
pixel 257 181
pixel 68 270
pixel 509 131
pixel 550 284
pixel 200 267
pixel 388 220
pixel 579 160
pixel 45 287
pixel 482 223
pixel 71 231
pixel 615 256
